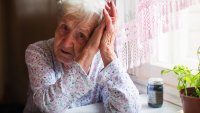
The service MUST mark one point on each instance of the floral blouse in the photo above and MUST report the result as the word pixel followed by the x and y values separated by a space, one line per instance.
pixel 53 89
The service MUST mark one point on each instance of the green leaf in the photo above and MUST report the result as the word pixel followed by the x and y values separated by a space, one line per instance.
pixel 197 80
pixel 179 87
pixel 165 71
pixel 187 80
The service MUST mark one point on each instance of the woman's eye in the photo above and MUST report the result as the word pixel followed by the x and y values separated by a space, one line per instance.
pixel 64 29
pixel 82 36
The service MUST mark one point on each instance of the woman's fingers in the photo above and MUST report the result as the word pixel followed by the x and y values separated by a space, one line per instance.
pixel 96 36
pixel 102 25
pixel 99 29
pixel 108 19
pixel 113 9
pixel 109 31
pixel 98 32
pixel 107 7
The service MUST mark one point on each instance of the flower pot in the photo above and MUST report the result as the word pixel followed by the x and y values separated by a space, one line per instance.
pixel 190 104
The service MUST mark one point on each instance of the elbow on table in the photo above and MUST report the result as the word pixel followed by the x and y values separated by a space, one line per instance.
pixel 48 105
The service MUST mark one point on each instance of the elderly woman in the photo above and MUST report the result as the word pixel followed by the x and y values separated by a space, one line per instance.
pixel 79 66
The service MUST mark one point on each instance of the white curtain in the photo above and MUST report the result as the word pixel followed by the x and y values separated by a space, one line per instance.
pixel 143 20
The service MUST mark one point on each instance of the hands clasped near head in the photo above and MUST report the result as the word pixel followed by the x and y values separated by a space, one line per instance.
pixel 80 40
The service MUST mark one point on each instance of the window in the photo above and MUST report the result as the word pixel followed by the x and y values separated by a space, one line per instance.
pixel 180 46
pixel 177 46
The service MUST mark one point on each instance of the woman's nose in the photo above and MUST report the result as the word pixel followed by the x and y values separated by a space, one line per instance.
pixel 68 41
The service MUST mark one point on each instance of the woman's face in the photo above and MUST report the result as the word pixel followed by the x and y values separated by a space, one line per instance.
pixel 70 38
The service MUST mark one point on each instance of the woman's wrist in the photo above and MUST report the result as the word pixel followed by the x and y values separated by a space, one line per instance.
pixel 108 55
pixel 85 59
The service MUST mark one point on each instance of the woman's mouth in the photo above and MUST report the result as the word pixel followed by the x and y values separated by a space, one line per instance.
pixel 66 52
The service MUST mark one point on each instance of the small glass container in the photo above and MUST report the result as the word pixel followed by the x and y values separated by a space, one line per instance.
pixel 155 92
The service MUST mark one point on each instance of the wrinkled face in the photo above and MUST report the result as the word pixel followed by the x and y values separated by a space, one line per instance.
pixel 70 38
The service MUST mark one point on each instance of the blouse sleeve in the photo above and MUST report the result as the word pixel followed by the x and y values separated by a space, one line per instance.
pixel 52 95
pixel 119 93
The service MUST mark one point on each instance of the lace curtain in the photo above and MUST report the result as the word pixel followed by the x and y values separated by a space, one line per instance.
pixel 144 22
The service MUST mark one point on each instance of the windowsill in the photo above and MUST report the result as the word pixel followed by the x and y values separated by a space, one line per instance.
pixel 171 94
pixel 167 107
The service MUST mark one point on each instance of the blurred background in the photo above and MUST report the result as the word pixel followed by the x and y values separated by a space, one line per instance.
pixel 22 22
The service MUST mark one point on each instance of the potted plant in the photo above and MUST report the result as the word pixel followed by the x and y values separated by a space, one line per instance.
pixel 188 86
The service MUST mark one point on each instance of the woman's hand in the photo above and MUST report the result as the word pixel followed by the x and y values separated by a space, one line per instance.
pixel 91 48
pixel 108 39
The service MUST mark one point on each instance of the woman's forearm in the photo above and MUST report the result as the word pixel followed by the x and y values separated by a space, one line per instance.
pixel 59 96
pixel 119 93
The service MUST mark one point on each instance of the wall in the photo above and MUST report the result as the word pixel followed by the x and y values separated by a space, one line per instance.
pixel 1 53
pixel 27 21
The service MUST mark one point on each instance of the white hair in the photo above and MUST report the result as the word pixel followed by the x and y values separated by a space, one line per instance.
pixel 83 10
